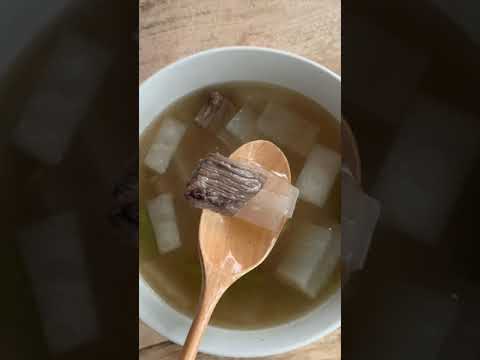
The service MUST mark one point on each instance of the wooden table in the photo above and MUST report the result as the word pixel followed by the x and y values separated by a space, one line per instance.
pixel 171 29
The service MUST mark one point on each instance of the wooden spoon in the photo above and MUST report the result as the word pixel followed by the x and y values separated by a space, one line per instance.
pixel 230 248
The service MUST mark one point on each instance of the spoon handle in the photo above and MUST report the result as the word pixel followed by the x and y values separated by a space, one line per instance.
pixel 208 300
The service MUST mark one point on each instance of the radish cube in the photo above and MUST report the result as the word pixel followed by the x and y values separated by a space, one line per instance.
pixel 273 204
pixel 318 175
pixel 161 211
pixel 311 259
pixel 287 128
pixel 243 125
pixel 164 145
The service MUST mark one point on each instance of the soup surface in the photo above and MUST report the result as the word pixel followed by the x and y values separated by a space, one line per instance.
pixel 262 298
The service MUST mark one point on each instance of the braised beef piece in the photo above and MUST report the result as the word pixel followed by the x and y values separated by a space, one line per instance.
pixel 223 185
pixel 215 112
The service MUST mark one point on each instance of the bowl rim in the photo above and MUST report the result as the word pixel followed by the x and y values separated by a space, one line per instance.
pixel 145 287
pixel 234 49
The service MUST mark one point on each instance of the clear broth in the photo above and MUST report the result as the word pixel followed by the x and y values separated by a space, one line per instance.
pixel 260 299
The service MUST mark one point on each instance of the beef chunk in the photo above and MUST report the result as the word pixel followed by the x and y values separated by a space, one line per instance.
pixel 216 112
pixel 223 185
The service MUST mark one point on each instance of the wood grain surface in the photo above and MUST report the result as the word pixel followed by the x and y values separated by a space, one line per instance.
pixel 172 29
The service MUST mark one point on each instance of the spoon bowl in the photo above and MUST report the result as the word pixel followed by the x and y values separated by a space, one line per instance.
pixel 229 247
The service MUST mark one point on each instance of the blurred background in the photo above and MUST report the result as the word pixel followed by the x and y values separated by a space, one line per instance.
pixel 69 108
pixel 410 91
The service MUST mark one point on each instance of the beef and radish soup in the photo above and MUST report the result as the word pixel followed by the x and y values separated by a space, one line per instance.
pixel 186 148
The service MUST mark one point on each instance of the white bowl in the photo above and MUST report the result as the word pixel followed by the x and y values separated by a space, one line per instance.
pixel 218 66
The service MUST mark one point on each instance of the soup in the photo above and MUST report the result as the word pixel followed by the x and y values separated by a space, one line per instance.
pixel 303 269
